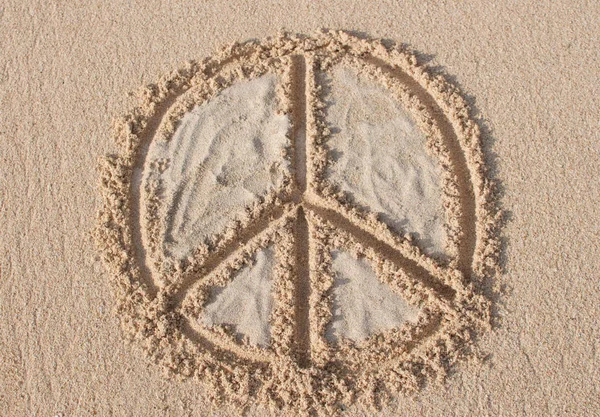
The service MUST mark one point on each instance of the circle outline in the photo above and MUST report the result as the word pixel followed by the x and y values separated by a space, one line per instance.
pixel 129 135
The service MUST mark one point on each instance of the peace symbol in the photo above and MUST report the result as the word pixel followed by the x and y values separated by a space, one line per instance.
pixel 163 274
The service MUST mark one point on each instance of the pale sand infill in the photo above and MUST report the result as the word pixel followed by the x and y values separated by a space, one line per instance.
pixel 379 157
pixel 247 301
pixel 223 155
pixel 362 305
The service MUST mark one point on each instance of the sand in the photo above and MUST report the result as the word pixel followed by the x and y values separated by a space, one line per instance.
pixel 362 305
pixel 381 159
pixel 178 141
pixel 223 156
pixel 246 303
pixel 527 69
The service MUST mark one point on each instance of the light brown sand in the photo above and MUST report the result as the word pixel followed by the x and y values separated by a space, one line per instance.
pixel 532 68
pixel 246 303
pixel 222 157
pixel 309 215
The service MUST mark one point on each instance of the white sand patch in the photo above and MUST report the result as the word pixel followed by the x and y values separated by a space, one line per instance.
pixel 224 154
pixel 362 305
pixel 381 159
pixel 247 301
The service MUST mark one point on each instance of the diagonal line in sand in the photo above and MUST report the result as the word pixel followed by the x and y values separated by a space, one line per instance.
pixel 213 261
pixel 409 266
pixel 410 346
pixel 228 354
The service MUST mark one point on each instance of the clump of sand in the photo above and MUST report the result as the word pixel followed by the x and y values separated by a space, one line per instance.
pixel 265 198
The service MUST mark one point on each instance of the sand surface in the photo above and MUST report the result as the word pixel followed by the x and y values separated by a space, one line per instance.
pixel 362 305
pixel 381 158
pixel 223 156
pixel 529 68
pixel 247 301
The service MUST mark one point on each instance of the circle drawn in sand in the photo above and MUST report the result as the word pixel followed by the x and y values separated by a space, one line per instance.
pixel 276 197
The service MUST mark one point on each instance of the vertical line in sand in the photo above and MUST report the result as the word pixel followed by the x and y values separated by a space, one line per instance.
pixel 302 292
pixel 298 79
pixel 302 283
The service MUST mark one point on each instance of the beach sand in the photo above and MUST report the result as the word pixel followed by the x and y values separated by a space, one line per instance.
pixel 528 70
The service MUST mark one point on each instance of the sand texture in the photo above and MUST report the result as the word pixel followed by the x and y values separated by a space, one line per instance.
pixel 215 165
pixel 307 215
pixel 247 302
pixel 362 305
pixel 380 158
pixel 299 224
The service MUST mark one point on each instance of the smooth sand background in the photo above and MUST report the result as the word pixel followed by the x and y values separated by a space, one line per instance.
pixel 533 68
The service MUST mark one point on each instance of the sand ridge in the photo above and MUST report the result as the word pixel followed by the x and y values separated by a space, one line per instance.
pixel 304 218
